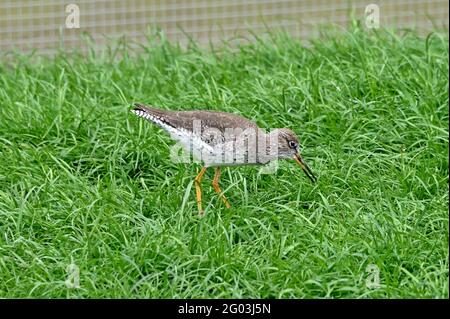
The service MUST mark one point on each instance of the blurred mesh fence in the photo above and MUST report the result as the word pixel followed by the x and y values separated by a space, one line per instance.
pixel 42 24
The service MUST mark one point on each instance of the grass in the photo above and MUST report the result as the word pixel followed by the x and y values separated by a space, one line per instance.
pixel 84 182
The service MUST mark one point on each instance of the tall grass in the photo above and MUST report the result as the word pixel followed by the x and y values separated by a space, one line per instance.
pixel 83 182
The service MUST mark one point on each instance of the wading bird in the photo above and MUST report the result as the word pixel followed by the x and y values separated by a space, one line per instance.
pixel 224 139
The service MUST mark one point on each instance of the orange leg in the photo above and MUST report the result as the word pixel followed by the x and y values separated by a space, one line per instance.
pixel 215 184
pixel 198 190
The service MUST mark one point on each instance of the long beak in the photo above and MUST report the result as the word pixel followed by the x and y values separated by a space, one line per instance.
pixel 305 167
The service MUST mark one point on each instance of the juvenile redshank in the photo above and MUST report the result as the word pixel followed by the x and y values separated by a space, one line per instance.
pixel 224 139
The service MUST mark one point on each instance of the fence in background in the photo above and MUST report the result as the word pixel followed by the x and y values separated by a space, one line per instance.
pixel 42 24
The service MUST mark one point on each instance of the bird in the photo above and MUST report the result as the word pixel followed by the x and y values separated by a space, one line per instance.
pixel 219 139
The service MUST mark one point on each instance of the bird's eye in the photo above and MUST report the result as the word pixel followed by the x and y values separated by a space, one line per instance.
pixel 292 144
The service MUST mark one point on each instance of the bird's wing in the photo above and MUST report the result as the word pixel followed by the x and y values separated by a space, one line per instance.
pixel 208 126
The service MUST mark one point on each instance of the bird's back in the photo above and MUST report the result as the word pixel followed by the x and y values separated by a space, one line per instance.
pixel 197 121
pixel 185 119
pixel 215 138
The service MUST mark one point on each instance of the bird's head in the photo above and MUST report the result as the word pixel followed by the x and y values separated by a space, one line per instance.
pixel 289 148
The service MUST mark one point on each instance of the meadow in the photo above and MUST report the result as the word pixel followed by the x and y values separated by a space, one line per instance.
pixel 91 206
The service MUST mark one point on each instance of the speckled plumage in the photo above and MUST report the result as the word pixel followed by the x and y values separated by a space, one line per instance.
pixel 185 119
pixel 224 139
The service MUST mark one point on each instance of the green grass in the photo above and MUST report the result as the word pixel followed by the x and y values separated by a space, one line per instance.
pixel 84 181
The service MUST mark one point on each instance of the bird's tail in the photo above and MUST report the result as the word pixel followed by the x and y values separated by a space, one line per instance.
pixel 143 111
pixel 148 112
pixel 139 107
pixel 152 114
